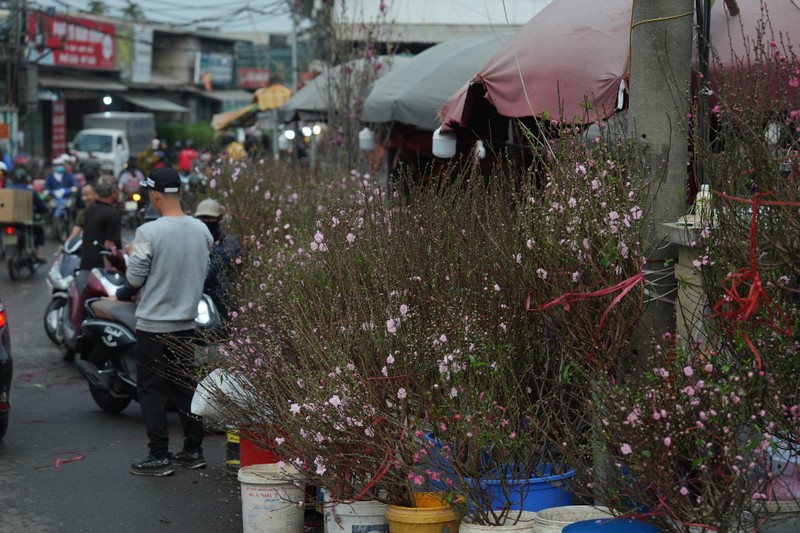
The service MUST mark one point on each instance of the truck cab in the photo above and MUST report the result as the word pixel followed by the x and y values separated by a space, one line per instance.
pixel 108 147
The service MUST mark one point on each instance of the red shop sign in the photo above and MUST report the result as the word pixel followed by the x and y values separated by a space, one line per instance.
pixel 72 41
pixel 252 78
pixel 59 128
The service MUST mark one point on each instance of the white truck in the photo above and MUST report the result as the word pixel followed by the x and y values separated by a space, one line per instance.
pixel 112 137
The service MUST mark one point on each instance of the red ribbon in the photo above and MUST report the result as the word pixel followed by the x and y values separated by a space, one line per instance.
pixel 60 461
pixel 744 289
pixel 565 300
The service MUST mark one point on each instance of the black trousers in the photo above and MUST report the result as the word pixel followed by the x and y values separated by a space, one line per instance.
pixel 162 375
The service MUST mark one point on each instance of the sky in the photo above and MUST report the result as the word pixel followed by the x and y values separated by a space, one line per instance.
pixel 267 16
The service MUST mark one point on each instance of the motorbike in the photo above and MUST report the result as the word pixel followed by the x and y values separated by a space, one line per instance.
pixel 134 208
pixel 59 278
pixel 61 213
pixel 18 239
pixel 108 349
pixel 88 284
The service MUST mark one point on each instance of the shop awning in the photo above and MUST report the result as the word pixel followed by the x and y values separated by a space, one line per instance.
pixel 83 82
pixel 221 121
pixel 233 95
pixel 153 103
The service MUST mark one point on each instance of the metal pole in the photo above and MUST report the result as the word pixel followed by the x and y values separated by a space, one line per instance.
pixel 295 79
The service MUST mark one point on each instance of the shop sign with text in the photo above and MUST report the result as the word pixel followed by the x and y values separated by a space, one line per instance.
pixel 252 78
pixel 66 41
pixel 217 67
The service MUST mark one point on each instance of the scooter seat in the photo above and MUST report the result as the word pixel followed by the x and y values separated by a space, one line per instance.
pixel 116 310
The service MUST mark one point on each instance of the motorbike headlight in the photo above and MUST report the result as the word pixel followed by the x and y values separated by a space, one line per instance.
pixel 136 197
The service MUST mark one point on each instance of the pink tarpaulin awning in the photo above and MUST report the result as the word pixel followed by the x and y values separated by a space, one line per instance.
pixel 568 61
pixel 571 53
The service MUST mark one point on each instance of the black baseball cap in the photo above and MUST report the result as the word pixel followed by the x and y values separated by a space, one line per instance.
pixel 163 180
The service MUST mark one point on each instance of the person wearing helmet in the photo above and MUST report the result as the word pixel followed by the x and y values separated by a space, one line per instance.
pixel 225 253
pixel 20 179
pixel 59 178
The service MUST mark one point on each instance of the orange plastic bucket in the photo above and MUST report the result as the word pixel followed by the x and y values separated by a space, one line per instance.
pixel 429 516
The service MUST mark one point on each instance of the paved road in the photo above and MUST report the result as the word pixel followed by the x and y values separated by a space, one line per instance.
pixel 54 420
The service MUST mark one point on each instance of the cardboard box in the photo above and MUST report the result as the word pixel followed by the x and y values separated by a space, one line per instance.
pixel 16 205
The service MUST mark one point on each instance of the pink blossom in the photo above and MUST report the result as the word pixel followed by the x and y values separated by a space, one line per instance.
pixel 320 465
pixel 350 238
pixel 794 82
pixel 335 401
pixel 390 359
pixel 688 371
pixel 667 442
pixel 318 237
pixel 453 392
pixel 294 408
pixel 684 491
pixel 626 449
pixel 576 276
pixel 443 338
pixel 496 287
pixel 708 368
pixel 541 273
pixel 391 326
pixel 401 394
pixel 403 310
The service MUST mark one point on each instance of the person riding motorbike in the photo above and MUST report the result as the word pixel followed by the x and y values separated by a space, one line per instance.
pixel 59 178
pixel 20 179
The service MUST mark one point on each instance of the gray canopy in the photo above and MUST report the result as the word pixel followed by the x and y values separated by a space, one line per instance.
pixel 414 92
pixel 337 85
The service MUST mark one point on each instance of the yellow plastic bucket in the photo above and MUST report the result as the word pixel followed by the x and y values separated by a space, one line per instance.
pixel 429 516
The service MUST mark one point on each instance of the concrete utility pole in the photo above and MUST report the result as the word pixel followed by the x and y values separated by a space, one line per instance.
pixel 660 84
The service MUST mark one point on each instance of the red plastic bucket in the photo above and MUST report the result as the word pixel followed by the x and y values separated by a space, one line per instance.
pixel 251 450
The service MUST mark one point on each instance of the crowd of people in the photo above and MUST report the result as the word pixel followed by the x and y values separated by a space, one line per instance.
pixel 173 259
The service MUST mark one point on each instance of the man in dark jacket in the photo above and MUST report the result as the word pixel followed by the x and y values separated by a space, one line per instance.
pixel 102 224
pixel 221 277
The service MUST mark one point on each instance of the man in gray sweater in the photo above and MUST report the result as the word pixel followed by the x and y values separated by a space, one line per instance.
pixel 168 262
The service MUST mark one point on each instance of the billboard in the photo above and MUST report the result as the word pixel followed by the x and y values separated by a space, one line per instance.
pixel 211 69
pixel 135 52
pixel 252 78
pixel 66 41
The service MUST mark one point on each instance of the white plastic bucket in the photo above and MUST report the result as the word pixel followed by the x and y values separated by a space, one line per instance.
pixel 555 519
pixel 524 524
pixel 211 391
pixel 270 500
pixel 354 517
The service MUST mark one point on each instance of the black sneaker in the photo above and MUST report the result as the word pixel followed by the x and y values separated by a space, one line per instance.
pixel 152 466
pixel 189 460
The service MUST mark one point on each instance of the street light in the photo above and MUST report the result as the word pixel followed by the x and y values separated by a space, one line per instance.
pixel 107 100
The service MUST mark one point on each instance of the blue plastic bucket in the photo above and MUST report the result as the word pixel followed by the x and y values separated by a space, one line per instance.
pixel 611 525
pixel 534 494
